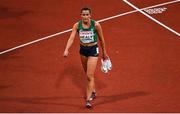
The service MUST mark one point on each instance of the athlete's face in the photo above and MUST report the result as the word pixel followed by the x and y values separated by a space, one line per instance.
pixel 86 15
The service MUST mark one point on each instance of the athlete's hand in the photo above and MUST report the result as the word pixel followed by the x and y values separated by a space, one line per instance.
pixel 66 53
pixel 105 56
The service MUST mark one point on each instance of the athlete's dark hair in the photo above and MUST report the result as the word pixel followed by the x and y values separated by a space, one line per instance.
pixel 86 8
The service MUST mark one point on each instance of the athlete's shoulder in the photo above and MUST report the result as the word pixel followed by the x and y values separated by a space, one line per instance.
pixel 97 24
pixel 79 23
pixel 76 25
pixel 93 21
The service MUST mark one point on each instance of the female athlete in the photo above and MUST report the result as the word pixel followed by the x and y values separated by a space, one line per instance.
pixel 89 32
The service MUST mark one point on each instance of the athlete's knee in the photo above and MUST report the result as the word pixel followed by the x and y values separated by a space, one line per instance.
pixel 90 77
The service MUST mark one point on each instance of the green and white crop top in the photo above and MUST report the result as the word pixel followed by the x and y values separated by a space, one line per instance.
pixel 87 35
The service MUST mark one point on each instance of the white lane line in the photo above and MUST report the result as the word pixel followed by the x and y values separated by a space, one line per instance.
pixel 152 17
pixel 102 20
pixel 34 41
pixel 134 11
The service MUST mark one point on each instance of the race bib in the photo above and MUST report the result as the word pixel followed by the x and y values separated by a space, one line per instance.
pixel 86 36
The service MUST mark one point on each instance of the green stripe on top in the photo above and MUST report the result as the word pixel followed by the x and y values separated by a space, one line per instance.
pixel 87 35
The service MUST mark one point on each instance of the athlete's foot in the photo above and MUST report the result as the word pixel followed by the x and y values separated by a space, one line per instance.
pixel 88 104
pixel 93 96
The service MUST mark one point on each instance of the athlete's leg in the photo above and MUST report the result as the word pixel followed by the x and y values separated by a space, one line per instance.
pixel 84 62
pixel 91 66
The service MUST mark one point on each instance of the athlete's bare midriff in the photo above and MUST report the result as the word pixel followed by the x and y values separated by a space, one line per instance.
pixel 88 44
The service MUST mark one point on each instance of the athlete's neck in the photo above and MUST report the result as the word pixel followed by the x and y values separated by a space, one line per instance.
pixel 87 23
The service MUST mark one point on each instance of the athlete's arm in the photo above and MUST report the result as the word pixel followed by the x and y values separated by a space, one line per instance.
pixel 101 38
pixel 70 40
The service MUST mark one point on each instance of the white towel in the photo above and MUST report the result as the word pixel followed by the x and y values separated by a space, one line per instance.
pixel 106 65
